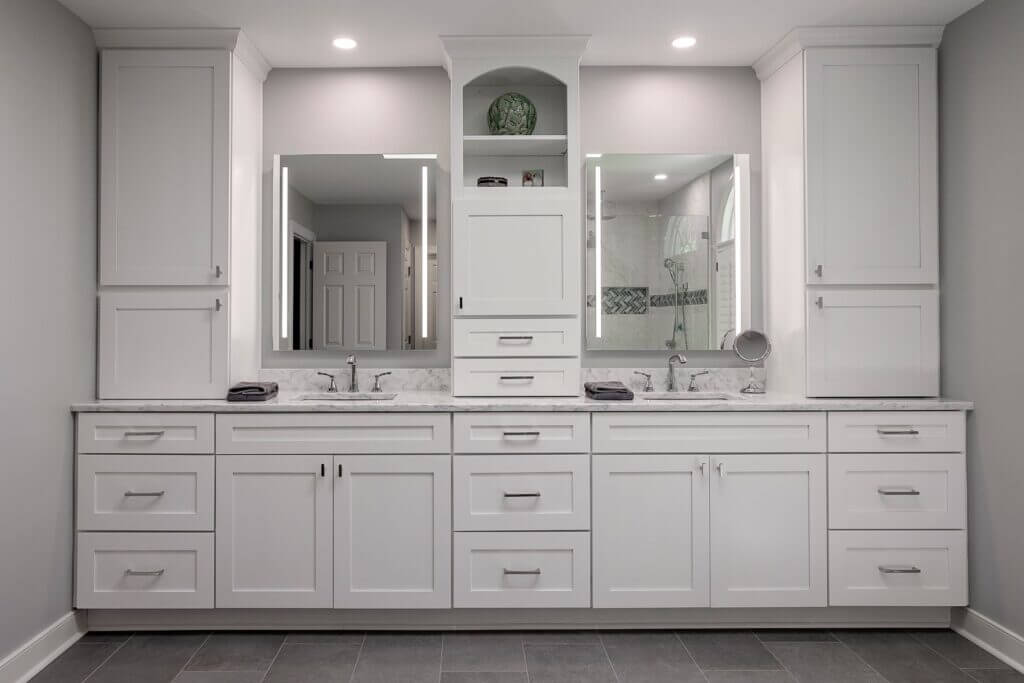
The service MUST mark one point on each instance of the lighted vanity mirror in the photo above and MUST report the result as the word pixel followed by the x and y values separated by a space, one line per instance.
pixel 355 251
pixel 668 256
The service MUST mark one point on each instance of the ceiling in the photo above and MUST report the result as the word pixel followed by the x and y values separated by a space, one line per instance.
pixel 630 177
pixel 297 33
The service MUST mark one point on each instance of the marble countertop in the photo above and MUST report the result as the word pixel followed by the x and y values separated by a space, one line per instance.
pixel 443 402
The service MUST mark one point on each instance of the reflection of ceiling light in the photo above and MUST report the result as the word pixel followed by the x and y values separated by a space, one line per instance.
pixel 409 156
pixel 661 176
pixel 344 43
pixel 684 42
pixel 593 155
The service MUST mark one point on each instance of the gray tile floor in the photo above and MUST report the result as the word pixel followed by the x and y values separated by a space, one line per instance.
pixel 530 657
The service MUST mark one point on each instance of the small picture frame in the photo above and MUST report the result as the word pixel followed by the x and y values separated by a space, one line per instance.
pixel 533 178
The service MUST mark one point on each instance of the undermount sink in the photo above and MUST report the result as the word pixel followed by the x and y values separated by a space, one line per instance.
pixel 347 396
pixel 684 396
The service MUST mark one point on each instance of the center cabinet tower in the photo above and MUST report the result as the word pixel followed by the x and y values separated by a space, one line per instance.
pixel 516 252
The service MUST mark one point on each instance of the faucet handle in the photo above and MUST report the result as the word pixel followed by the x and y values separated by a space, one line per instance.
pixel 647 384
pixel 693 379
pixel 376 381
pixel 332 387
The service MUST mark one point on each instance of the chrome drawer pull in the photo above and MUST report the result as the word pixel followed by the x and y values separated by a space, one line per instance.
pixel 143 494
pixel 518 572
pixel 150 572
pixel 898 431
pixel 899 569
pixel 521 494
pixel 156 433
pixel 509 378
pixel 535 435
pixel 515 337
pixel 898 491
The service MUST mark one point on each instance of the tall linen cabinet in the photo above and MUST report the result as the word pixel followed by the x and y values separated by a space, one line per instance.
pixel 180 154
pixel 515 250
pixel 849 130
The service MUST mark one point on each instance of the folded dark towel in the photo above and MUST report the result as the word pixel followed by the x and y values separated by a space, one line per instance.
pixel 608 391
pixel 252 391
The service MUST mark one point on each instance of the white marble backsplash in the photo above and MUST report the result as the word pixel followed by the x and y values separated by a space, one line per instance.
pixel 728 380
pixel 400 379
pixel 440 379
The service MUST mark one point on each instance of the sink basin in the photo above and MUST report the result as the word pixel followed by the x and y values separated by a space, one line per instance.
pixel 347 396
pixel 684 396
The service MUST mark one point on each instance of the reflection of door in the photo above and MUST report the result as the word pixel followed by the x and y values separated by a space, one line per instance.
pixel 349 295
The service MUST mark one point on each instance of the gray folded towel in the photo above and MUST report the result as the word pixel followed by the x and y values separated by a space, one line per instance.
pixel 608 391
pixel 252 391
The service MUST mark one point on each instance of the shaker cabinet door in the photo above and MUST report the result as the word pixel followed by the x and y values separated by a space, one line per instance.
pixel 872 342
pixel 872 166
pixel 164 167
pixel 515 258
pixel 163 344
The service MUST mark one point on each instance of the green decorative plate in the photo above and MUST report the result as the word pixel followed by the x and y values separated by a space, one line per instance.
pixel 511 114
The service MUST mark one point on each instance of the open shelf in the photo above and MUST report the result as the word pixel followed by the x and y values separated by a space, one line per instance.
pixel 514 145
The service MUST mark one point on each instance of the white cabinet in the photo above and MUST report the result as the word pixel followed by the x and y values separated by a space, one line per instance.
pixel 515 258
pixel 274 531
pixel 768 531
pixel 392 531
pixel 651 524
pixel 164 343
pixel 872 166
pixel 872 342
pixel 165 154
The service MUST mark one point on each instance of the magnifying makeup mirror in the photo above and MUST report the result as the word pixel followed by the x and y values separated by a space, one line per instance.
pixel 752 347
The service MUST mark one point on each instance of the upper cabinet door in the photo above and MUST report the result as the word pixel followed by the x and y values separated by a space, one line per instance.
pixel 515 258
pixel 872 166
pixel 164 167
pixel 872 342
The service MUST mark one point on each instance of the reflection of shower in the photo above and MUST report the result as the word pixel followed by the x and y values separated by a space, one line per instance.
pixel 675 267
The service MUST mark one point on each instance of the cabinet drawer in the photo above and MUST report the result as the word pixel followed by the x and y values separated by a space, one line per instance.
pixel 516 337
pixel 897 568
pixel 516 376
pixel 145 493
pixel 896 431
pixel 145 433
pixel 521 492
pixel 531 569
pixel 365 433
pixel 141 570
pixel 709 433
pixel 522 433
pixel 897 490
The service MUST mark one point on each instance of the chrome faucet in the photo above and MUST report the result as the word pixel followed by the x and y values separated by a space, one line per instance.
pixel 678 358
pixel 332 388
pixel 376 381
pixel 693 379
pixel 647 380
pixel 353 385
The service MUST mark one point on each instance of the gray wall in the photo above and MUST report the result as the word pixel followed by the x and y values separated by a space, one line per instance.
pixel 47 300
pixel 623 109
pixel 981 81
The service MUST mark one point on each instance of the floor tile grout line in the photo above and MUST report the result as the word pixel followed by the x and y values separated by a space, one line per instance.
pixel 359 655
pixel 690 655
pixel 526 661
pixel 284 640
pixel 440 664
pixel 944 657
pixel 193 655
pixel 107 659
pixel 866 662
pixel 604 649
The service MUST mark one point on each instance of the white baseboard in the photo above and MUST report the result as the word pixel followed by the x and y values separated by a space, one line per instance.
pixel 29 659
pixel 990 636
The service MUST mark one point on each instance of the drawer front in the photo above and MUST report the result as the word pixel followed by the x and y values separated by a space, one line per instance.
pixel 516 376
pixel 145 433
pixel 897 568
pixel 530 569
pixel 515 337
pixel 365 433
pixel 144 571
pixel 896 432
pixel 897 490
pixel 145 493
pixel 709 433
pixel 522 433
pixel 521 492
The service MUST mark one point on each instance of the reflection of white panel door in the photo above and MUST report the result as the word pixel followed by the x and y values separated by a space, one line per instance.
pixel 350 295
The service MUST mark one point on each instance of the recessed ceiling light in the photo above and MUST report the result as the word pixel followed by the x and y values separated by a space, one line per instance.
pixel 661 176
pixel 683 42
pixel 344 43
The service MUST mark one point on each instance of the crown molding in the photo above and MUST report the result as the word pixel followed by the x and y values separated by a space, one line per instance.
pixel 230 39
pixel 483 47
pixel 800 39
